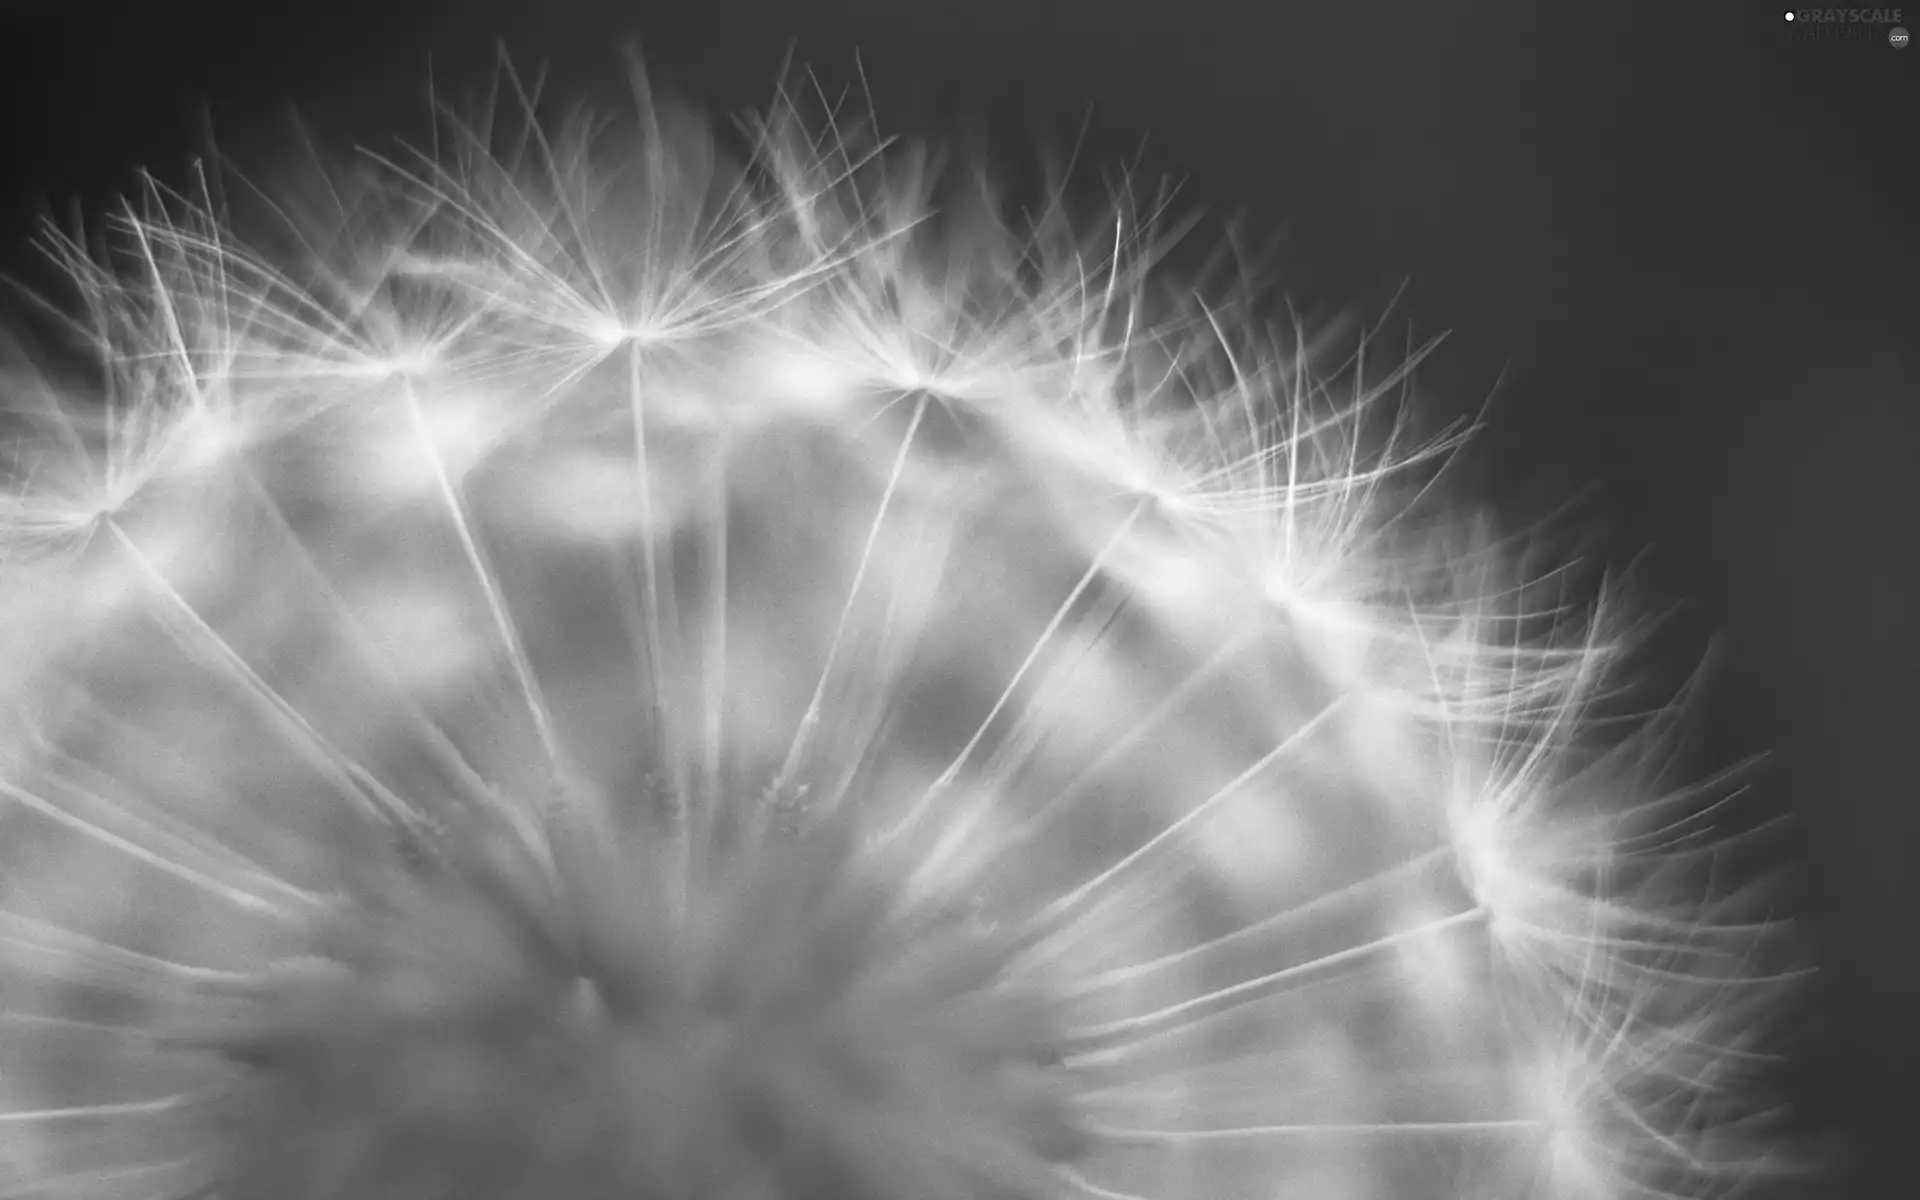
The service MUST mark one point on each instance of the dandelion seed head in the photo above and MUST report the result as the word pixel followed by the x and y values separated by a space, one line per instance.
pixel 610 673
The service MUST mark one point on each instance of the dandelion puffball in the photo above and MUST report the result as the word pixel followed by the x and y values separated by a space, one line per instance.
pixel 611 674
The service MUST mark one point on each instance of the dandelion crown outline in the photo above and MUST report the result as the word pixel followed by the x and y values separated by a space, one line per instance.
pixel 1041 688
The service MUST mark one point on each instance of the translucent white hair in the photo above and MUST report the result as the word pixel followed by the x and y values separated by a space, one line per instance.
pixel 566 666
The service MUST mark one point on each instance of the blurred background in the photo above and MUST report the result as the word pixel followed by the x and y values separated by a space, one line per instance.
pixel 1671 242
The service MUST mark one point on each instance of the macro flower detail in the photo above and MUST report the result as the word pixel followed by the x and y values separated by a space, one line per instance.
pixel 604 671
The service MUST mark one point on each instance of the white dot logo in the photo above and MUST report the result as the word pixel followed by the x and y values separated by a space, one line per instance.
pixel 1789 18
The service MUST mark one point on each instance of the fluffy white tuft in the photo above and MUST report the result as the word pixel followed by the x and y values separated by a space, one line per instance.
pixel 572 667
